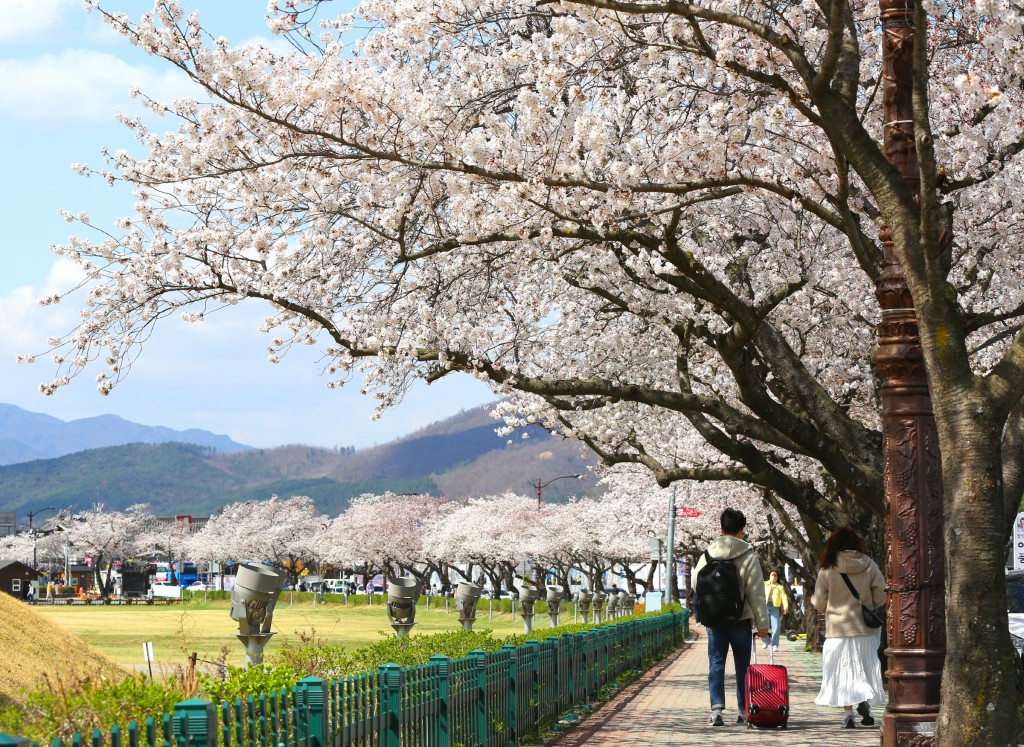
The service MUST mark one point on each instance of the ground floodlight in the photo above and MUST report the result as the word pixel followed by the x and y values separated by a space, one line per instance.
pixel 527 599
pixel 554 600
pixel 402 595
pixel 466 597
pixel 253 597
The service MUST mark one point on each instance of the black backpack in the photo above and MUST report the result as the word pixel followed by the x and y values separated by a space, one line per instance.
pixel 719 599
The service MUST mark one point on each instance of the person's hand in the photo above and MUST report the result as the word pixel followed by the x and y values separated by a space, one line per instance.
pixel 763 632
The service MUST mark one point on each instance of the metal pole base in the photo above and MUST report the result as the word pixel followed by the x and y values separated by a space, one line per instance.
pixel 402 629
pixel 254 645
pixel 554 620
pixel 467 623
pixel 527 624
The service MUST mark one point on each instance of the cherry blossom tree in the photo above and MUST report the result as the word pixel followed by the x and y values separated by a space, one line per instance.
pixel 384 532
pixel 107 536
pixel 17 547
pixel 654 226
pixel 283 531
pixel 165 538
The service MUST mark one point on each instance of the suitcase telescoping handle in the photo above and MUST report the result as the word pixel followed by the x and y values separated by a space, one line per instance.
pixel 753 648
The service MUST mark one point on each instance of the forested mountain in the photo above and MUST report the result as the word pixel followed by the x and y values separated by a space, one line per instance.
pixel 457 457
pixel 28 435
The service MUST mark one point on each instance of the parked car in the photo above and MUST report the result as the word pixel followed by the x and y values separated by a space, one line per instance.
pixel 198 586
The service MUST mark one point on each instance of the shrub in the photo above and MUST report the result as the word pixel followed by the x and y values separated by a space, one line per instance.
pixel 66 704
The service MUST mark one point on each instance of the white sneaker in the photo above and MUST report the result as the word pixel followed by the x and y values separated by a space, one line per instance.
pixel 764 644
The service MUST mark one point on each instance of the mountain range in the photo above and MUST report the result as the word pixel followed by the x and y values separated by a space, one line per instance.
pixel 117 463
pixel 25 435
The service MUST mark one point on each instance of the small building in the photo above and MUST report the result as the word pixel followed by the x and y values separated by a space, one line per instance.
pixel 16 578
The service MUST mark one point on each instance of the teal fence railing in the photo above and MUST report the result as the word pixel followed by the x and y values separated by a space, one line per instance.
pixel 482 700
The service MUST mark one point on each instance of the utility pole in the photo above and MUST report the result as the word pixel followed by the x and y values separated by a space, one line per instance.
pixel 32 534
pixel 539 486
pixel 914 572
pixel 670 559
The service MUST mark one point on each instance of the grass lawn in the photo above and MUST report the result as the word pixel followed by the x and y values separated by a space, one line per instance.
pixel 205 627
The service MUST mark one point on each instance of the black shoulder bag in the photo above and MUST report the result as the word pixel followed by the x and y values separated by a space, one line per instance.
pixel 871 618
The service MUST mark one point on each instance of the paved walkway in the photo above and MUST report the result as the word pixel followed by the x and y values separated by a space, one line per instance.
pixel 669 705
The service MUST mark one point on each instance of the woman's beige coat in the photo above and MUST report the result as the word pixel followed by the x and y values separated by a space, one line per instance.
pixel 843 618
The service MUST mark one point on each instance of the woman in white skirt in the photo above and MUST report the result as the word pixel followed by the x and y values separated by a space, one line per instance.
pixel 851 672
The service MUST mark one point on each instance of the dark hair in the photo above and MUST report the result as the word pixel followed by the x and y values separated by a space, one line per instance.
pixel 844 538
pixel 733 520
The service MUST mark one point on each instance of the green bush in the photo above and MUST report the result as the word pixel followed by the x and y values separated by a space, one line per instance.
pixel 62 706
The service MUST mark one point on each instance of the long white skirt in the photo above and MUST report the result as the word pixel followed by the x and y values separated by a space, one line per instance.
pixel 851 672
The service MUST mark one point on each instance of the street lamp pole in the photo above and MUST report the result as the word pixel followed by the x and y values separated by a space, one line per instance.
pixel 32 534
pixel 914 573
pixel 539 486
pixel 670 560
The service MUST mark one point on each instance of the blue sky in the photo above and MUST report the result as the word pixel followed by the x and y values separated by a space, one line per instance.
pixel 63 75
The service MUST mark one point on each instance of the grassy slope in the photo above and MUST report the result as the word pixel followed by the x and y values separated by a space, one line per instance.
pixel 206 628
pixel 33 645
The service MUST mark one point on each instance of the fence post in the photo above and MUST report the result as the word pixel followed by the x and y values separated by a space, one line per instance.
pixel 533 647
pixel 195 723
pixel 605 636
pixel 512 671
pixel 9 740
pixel 313 692
pixel 569 652
pixel 593 663
pixel 479 659
pixel 390 704
pixel 440 675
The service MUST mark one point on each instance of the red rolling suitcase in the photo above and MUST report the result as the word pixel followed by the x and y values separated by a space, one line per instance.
pixel 767 694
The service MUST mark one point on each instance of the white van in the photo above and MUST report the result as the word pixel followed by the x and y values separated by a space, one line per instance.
pixel 334 585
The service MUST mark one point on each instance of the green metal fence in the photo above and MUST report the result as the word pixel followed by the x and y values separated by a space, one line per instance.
pixel 482 700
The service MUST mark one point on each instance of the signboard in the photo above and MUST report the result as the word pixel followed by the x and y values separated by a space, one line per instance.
pixel 147 651
pixel 687 513
pixel 183 524
pixel 1018 543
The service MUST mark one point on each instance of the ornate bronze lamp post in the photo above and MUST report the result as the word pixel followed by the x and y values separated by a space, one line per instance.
pixel 914 569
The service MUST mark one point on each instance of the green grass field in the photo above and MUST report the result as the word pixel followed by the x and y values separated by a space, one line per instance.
pixel 205 627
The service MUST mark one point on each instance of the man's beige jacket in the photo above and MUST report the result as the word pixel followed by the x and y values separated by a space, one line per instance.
pixel 748 569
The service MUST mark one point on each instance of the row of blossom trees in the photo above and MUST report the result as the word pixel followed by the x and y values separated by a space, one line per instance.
pixel 483 538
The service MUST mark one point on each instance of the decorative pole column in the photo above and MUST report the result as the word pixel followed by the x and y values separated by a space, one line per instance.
pixel 915 575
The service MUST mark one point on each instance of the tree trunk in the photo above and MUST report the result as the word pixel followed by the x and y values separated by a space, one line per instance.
pixel 979 682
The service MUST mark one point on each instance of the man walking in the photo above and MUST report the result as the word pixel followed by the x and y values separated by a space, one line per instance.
pixel 730 601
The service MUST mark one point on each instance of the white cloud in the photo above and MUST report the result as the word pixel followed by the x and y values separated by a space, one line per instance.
pixel 24 324
pixel 27 19
pixel 81 85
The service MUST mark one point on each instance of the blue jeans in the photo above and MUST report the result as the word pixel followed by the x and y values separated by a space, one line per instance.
pixel 775 621
pixel 739 636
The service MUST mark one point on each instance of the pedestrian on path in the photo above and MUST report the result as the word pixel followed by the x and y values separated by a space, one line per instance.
pixel 730 601
pixel 778 605
pixel 851 673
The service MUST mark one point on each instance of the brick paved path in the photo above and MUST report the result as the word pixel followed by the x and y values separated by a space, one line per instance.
pixel 669 706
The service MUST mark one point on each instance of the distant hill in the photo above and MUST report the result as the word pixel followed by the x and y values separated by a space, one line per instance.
pixel 28 435
pixel 460 456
